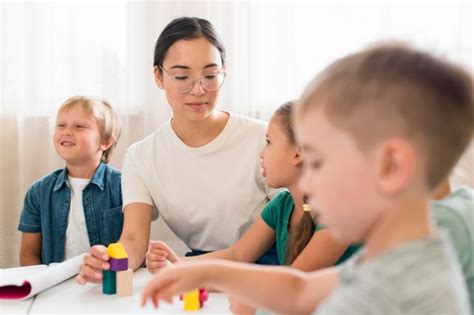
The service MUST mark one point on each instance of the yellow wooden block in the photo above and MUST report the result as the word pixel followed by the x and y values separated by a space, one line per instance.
pixel 191 300
pixel 116 250
pixel 125 282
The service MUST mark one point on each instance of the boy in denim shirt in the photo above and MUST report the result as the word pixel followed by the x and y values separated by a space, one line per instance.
pixel 71 209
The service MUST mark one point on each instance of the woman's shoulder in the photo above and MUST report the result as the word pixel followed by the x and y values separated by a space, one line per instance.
pixel 247 123
pixel 150 141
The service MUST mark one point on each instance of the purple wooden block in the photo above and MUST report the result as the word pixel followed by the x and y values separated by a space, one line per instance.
pixel 118 264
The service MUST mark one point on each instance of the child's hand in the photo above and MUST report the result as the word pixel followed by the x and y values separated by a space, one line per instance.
pixel 168 282
pixel 94 262
pixel 158 253
pixel 237 307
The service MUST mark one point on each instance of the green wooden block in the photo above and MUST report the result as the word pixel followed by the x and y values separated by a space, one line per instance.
pixel 109 282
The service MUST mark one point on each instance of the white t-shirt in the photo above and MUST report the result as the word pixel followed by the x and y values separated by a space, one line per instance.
pixel 77 239
pixel 208 195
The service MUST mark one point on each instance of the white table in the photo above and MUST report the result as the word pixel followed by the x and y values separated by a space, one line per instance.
pixel 70 298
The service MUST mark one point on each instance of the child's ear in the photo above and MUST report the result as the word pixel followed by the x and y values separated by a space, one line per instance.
pixel 158 77
pixel 297 158
pixel 107 144
pixel 395 166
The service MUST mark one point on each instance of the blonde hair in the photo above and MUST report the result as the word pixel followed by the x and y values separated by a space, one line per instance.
pixel 393 90
pixel 107 119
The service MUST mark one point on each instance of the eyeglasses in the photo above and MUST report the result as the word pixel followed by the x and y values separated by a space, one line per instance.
pixel 184 83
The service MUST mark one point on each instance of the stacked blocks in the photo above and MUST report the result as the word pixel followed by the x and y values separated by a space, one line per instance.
pixel 194 300
pixel 118 279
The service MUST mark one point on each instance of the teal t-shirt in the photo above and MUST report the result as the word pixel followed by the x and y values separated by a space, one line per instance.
pixel 276 215
pixel 455 213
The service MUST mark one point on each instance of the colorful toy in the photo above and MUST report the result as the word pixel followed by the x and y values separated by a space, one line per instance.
pixel 118 279
pixel 194 300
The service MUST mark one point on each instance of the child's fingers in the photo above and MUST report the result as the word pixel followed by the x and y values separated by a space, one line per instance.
pixel 156 256
pixel 154 266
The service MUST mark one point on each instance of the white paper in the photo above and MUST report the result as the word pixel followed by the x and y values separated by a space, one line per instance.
pixel 24 282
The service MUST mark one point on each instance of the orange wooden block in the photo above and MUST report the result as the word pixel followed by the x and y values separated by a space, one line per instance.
pixel 125 282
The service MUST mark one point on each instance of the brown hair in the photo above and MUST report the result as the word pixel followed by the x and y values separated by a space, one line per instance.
pixel 393 90
pixel 302 234
pixel 101 110
pixel 300 237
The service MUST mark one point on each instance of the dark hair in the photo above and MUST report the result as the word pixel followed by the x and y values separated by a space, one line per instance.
pixel 393 90
pixel 186 28
pixel 300 236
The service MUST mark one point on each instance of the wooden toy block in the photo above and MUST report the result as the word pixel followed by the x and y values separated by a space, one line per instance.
pixel 203 296
pixel 117 251
pixel 109 282
pixel 125 283
pixel 118 264
pixel 191 300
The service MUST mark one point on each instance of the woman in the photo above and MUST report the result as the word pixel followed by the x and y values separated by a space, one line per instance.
pixel 200 171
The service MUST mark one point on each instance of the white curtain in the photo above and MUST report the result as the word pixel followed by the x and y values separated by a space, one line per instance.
pixel 52 50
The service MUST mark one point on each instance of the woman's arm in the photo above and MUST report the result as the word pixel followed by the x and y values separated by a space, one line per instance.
pixel 135 237
pixel 136 232
pixel 30 250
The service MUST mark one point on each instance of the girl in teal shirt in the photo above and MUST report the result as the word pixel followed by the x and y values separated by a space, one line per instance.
pixel 300 242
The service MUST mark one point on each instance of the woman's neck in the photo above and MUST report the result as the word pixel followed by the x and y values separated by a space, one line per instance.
pixel 198 133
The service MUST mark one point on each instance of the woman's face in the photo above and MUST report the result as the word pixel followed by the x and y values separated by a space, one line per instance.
pixel 197 58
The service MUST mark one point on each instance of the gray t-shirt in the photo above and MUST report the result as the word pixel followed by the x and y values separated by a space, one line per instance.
pixel 419 277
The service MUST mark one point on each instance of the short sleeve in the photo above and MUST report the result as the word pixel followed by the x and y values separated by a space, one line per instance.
pixel 30 218
pixel 270 214
pixel 134 188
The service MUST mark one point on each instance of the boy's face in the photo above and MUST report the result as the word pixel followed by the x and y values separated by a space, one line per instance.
pixel 338 178
pixel 278 157
pixel 76 136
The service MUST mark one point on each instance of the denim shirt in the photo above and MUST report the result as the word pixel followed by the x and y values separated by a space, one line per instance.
pixel 47 204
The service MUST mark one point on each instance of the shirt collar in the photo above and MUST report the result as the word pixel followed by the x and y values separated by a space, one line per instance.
pixel 98 179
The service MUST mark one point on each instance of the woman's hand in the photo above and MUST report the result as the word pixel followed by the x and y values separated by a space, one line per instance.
pixel 158 253
pixel 94 262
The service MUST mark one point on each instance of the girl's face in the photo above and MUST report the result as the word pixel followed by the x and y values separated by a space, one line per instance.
pixel 197 58
pixel 280 158
pixel 77 137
